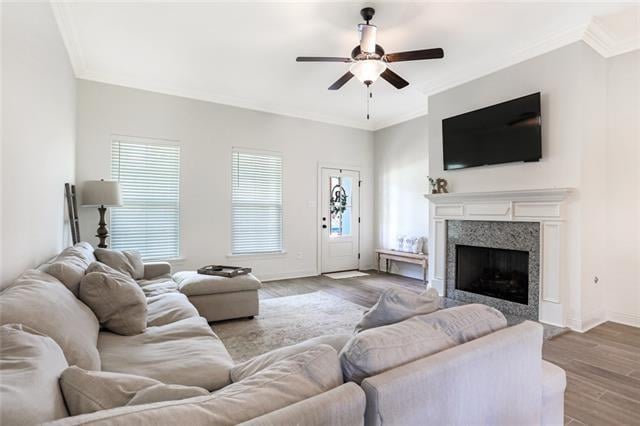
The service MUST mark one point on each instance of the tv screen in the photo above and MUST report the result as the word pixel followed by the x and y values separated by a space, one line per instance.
pixel 502 133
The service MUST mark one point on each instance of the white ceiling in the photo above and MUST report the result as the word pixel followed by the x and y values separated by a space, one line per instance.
pixel 243 54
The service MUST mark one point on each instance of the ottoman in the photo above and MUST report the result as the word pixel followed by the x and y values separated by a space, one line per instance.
pixel 220 298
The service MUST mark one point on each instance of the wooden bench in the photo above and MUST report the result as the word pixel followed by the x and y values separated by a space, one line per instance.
pixel 402 256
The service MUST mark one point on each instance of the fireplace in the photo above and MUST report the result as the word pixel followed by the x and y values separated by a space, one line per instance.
pixel 496 264
pixel 493 272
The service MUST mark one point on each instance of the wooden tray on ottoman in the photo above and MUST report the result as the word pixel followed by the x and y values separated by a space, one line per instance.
pixel 223 271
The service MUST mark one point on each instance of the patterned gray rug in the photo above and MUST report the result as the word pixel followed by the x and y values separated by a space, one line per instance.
pixel 288 320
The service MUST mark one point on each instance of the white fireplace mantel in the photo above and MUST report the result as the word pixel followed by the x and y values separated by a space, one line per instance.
pixel 546 206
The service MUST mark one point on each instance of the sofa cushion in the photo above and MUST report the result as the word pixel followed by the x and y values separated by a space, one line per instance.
pixel 193 284
pixel 167 308
pixel 88 391
pixel 128 262
pixel 157 286
pixel 286 382
pixel 376 350
pixel 185 352
pixel 397 304
pixel 30 365
pixel 70 265
pixel 43 303
pixel 260 362
pixel 115 298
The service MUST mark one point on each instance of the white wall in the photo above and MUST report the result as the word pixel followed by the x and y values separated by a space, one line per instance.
pixel 38 137
pixel 571 81
pixel 401 168
pixel 207 132
pixel 622 193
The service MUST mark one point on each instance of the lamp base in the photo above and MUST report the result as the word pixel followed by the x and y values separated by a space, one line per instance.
pixel 102 232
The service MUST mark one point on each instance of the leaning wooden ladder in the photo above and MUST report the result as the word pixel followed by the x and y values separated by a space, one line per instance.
pixel 72 207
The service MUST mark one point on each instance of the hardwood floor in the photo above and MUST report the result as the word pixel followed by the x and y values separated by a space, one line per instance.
pixel 602 365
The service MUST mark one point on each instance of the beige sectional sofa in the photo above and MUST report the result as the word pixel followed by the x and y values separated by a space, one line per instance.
pixel 499 378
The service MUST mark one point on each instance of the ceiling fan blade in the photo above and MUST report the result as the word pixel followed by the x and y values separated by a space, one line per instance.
pixel 393 78
pixel 341 81
pixel 321 59
pixel 415 55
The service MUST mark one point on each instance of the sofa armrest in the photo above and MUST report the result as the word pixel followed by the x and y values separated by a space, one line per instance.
pixel 156 269
pixel 554 383
pixel 343 405
pixel 495 379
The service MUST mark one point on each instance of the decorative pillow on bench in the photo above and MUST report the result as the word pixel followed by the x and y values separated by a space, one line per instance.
pixel 410 244
pixel 88 391
pixel 115 298
pixel 396 304
pixel 377 350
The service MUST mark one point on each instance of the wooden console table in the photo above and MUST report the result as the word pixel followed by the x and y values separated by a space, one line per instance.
pixel 400 256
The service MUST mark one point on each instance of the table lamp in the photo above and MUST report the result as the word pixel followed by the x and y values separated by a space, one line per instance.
pixel 101 194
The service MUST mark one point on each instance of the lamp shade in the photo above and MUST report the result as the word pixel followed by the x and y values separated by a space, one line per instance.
pixel 101 193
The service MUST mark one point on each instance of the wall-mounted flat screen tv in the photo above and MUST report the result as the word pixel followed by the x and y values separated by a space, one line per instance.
pixel 503 133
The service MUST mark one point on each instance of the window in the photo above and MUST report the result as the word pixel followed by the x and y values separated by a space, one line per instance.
pixel 256 217
pixel 149 175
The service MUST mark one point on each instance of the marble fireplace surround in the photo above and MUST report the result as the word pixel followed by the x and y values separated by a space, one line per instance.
pixel 523 236
pixel 545 207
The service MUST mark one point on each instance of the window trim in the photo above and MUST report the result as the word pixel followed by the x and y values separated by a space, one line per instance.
pixel 143 140
pixel 259 254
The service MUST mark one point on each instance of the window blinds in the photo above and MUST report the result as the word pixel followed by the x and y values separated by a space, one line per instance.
pixel 256 203
pixel 149 220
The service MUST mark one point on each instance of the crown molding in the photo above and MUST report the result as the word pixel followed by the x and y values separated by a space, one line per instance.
pixel 593 33
pixel 69 37
pixel 605 43
pixel 483 68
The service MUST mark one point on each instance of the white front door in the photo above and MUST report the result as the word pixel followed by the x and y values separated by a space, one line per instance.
pixel 340 219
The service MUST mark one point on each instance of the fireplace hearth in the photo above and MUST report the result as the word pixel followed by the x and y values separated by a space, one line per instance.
pixel 493 272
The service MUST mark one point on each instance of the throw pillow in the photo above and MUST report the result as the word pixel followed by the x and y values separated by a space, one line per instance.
pixel 413 245
pixel 116 299
pixel 126 261
pixel 377 350
pixel 400 243
pixel 88 391
pixel 260 362
pixel 70 265
pixel 43 303
pixel 396 304
pixel 29 371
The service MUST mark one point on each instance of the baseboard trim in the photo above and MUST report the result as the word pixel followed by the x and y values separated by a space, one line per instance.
pixel 287 275
pixel 623 318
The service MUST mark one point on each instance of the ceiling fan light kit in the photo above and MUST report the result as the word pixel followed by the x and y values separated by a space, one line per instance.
pixel 369 60
pixel 368 71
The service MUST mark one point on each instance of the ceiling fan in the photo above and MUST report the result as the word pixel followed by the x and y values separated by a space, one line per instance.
pixel 369 61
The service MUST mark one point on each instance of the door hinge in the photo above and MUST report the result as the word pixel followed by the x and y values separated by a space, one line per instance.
pixel 359 183
pixel 358 219
pixel 358 255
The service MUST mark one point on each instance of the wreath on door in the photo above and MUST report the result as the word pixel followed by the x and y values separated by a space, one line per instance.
pixel 338 200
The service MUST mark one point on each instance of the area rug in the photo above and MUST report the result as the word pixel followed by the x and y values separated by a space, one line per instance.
pixel 345 274
pixel 288 320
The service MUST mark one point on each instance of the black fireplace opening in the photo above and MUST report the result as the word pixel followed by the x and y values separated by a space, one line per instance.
pixel 494 272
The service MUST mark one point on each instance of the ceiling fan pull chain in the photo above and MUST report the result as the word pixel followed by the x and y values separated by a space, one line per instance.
pixel 368 99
